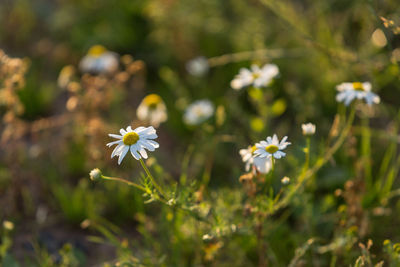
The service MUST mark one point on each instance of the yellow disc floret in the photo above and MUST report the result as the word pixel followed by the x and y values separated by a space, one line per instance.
pixel 130 138
pixel 152 100
pixel 271 149
pixel 358 86
pixel 253 149
pixel 97 50
pixel 256 75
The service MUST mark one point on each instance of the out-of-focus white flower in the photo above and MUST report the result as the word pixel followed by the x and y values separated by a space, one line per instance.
pixel 135 141
pixel 272 147
pixel 153 110
pixel 262 165
pixel 198 66
pixel 99 60
pixel 247 156
pixel 7 225
pixel 65 76
pixel 356 90
pixel 308 128
pixel 198 112
pixel 256 76
pixel 95 174
pixel 285 180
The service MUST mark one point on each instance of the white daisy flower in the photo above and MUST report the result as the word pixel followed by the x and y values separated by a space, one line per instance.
pixel 272 147
pixel 198 112
pixel 198 66
pixel 256 76
pixel 356 90
pixel 152 109
pixel 135 141
pixel 262 165
pixel 99 60
pixel 308 128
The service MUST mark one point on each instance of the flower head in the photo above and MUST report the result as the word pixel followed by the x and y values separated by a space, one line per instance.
pixel 262 165
pixel 99 60
pixel 256 76
pixel 198 112
pixel 95 174
pixel 272 147
pixel 356 90
pixel 135 141
pixel 152 109
pixel 308 128
pixel 198 66
pixel 285 180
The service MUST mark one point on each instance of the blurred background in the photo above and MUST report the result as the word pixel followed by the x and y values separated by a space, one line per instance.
pixel 56 117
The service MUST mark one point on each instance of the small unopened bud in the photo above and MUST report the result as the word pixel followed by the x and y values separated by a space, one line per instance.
pixel 9 226
pixel 95 174
pixel 285 180
pixel 308 128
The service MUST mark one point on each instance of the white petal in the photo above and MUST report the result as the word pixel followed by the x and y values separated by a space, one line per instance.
pixel 134 153
pixel 146 145
pixel 122 131
pixel 117 150
pixel 143 153
pixel 153 143
pixel 123 153
pixel 129 129
pixel 115 136
pixel 114 142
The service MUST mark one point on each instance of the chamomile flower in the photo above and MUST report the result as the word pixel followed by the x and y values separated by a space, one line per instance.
pixel 272 148
pixel 262 165
pixel 308 128
pixel 99 60
pixel 256 76
pixel 198 112
pixel 198 66
pixel 153 110
pixel 356 90
pixel 135 141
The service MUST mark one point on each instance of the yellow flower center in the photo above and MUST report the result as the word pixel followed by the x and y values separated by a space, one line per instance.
pixel 358 86
pixel 97 50
pixel 256 75
pixel 253 149
pixel 271 149
pixel 152 100
pixel 130 138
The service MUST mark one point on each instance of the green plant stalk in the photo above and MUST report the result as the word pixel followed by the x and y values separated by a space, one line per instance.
pixel 151 178
pixel 124 181
pixel 366 151
pixel 320 162
pixel 307 152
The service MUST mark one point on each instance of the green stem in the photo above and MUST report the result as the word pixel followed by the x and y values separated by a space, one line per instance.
pixel 151 177
pixel 320 162
pixel 307 151
pixel 124 181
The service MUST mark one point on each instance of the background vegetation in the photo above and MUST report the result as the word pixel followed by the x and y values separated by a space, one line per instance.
pixel 344 214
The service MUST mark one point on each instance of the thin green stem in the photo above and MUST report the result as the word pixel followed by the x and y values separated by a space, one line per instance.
pixel 307 152
pixel 153 181
pixel 320 162
pixel 124 181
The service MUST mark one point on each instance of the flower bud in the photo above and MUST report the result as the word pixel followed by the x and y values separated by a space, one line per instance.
pixel 308 128
pixel 95 174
